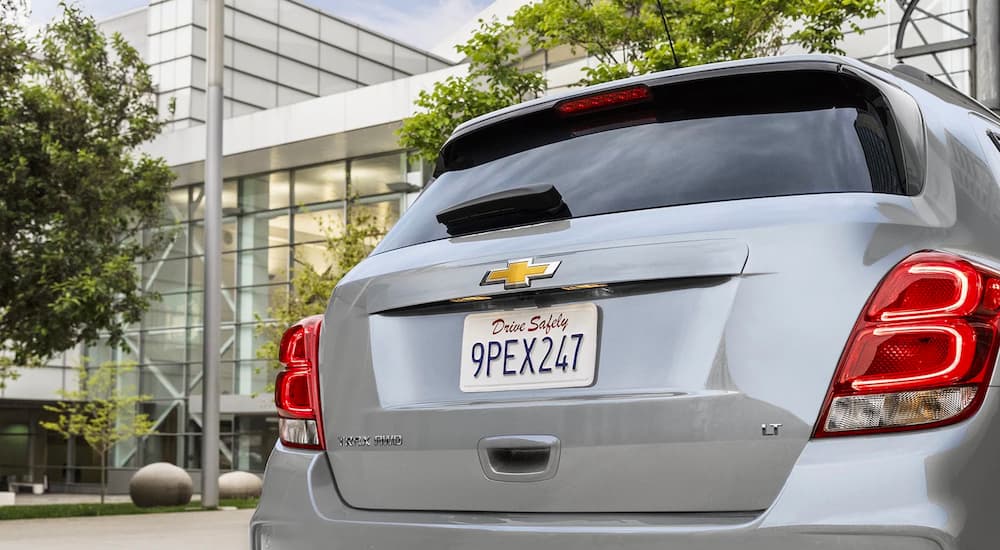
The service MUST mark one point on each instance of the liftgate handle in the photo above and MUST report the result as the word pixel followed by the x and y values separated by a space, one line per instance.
pixel 519 457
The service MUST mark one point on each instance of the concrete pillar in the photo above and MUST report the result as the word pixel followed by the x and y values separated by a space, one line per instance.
pixel 987 22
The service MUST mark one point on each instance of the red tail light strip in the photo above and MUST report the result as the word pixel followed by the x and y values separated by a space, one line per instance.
pixel 921 354
pixel 296 388
pixel 605 100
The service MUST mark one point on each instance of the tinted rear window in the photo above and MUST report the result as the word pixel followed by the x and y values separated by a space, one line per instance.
pixel 704 141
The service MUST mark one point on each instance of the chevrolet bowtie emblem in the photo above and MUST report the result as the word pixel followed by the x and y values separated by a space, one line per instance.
pixel 519 273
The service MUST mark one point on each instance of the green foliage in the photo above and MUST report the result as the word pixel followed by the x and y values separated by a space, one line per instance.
pixel 75 106
pixel 89 509
pixel 493 82
pixel 346 246
pixel 629 37
pixel 625 38
pixel 101 411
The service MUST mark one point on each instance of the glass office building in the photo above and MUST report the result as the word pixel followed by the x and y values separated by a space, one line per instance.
pixel 276 52
pixel 271 222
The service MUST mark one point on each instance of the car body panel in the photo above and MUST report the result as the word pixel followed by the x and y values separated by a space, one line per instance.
pixel 864 493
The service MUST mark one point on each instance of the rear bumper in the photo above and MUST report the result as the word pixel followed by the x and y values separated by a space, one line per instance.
pixel 933 490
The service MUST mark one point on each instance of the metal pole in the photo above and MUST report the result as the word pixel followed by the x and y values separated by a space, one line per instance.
pixel 987 54
pixel 213 261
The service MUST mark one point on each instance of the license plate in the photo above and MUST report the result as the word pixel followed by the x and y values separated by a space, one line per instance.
pixel 554 347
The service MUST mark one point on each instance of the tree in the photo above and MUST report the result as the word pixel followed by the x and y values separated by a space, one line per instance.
pixel 101 411
pixel 345 247
pixel 492 82
pixel 75 105
pixel 624 38
pixel 631 37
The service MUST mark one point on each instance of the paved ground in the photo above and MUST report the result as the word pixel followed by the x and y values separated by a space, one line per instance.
pixel 225 530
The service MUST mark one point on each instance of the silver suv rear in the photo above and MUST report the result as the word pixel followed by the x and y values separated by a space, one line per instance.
pixel 751 305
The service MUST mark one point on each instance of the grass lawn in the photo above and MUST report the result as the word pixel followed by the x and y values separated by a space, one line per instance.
pixel 110 509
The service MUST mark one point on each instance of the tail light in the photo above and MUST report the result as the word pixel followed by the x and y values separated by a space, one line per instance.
pixel 296 389
pixel 604 100
pixel 922 353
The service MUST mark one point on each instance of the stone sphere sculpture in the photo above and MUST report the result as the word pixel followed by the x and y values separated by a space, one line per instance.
pixel 239 485
pixel 160 484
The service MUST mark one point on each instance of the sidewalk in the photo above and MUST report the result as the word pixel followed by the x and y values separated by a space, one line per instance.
pixel 224 530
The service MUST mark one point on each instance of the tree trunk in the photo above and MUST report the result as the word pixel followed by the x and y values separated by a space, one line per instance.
pixel 104 476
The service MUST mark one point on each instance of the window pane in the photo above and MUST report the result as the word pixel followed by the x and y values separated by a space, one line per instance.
pixel 228 236
pixel 228 271
pixel 185 13
pixel 264 266
pixel 338 61
pixel 169 311
pixel 408 60
pixel 434 64
pixel 375 48
pixel 198 199
pixel 339 34
pixel 372 176
pixel 198 81
pixel 383 213
pixel 252 90
pixel 166 46
pixel 161 447
pixel 248 341
pixel 226 381
pixel 299 76
pixel 266 229
pixel 255 61
pixel 332 84
pixel 258 301
pixel 163 381
pixel 254 445
pixel 153 48
pixel 226 341
pixel 301 48
pixel 154 19
pixel 183 42
pixel 316 255
pixel 230 204
pixel 373 73
pixel 198 13
pixel 299 18
pixel 163 347
pixel 165 76
pixel 255 31
pixel 255 231
pixel 168 14
pixel 755 147
pixel 287 96
pixel 313 226
pixel 165 275
pixel 176 241
pixel 182 104
pixel 265 9
pixel 321 184
pixel 266 192
pixel 196 304
pixel 100 353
